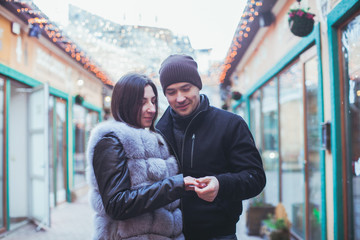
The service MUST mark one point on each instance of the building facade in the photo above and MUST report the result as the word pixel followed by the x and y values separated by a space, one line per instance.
pixel 51 95
pixel 301 96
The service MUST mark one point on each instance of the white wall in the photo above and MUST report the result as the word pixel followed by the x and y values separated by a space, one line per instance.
pixel 18 197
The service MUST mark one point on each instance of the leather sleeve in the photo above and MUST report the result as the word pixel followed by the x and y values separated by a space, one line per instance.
pixel 113 179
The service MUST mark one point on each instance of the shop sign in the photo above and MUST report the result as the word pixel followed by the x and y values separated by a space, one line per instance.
pixel 52 65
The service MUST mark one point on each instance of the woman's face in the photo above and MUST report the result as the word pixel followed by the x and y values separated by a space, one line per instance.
pixel 148 107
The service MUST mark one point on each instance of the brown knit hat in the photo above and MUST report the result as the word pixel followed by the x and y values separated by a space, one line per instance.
pixel 179 68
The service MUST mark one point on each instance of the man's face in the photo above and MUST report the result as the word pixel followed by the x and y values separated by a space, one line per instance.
pixel 183 97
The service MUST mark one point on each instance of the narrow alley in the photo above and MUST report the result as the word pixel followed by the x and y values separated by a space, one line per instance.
pixel 73 221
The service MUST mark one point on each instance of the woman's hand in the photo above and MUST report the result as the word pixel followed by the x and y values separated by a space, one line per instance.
pixel 190 183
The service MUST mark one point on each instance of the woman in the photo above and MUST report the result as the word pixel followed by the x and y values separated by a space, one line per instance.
pixel 135 185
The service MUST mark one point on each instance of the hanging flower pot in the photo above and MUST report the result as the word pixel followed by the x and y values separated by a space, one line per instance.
pixel 236 95
pixel 79 99
pixel 301 22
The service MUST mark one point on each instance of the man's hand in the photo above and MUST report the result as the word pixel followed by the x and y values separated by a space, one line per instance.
pixel 209 189
pixel 190 183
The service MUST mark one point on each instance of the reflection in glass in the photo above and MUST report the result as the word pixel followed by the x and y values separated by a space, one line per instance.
pixel 57 150
pixel 255 118
pixel 84 121
pixel 270 152
pixel 79 156
pixel 61 150
pixel 292 145
pixel 351 66
pixel 241 110
pixel 313 148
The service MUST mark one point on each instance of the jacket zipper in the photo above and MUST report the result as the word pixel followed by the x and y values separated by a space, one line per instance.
pixel 182 150
pixel 192 149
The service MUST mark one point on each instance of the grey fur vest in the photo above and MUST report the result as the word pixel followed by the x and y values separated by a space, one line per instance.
pixel 148 162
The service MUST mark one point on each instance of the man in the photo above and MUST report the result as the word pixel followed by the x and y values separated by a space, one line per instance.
pixel 212 145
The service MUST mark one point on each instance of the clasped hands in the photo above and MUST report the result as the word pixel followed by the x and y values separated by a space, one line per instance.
pixel 206 188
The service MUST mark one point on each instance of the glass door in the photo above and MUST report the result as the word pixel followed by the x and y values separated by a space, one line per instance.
pixel 270 143
pixel 291 118
pixel 350 52
pixel 61 151
pixel 312 146
pixel 38 156
pixel 57 150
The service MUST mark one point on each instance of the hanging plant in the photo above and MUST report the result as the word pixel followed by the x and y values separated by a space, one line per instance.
pixel 225 106
pixel 301 21
pixel 236 95
pixel 79 99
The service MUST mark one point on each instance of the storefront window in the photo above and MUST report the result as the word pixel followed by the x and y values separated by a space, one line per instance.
pixel 270 153
pixel 57 150
pixel 61 150
pixel 241 110
pixel 79 156
pixel 84 121
pixel 92 118
pixel 255 118
pixel 351 66
pixel 313 147
pixel 292 145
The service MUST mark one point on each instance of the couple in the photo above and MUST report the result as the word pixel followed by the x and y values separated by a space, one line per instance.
pixel 185 182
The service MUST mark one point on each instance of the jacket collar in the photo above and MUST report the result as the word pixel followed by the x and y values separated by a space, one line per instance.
pixel 165 124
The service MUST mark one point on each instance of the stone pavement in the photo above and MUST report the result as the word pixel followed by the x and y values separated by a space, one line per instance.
pixel 69 221
pixel 73 221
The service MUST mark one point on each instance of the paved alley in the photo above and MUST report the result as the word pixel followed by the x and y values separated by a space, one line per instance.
pixel 73 221
pixel 69 221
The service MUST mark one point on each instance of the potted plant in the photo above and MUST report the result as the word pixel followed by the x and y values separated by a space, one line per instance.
pixel 276 229
pixel 277 226
pixel 257 212
pixel 301 21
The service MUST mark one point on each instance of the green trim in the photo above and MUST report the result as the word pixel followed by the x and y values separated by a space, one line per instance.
pixel 54 149
pixel 73 137
pixel 322 152
pixel 342 12
pixel 92 107
pixel 337 16
pixel 12 73
pixel 237 104
pixel 68 121
pixel 57 93
pixel 248 110
pixel 7 115
pixel 304 44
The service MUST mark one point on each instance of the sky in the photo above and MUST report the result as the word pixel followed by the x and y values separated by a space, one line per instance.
pixel 208 23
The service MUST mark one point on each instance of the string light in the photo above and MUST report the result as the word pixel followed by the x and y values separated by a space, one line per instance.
pixel 56 36
pixel 249 15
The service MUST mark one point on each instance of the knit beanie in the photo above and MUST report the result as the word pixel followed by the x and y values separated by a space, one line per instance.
pixel 179 68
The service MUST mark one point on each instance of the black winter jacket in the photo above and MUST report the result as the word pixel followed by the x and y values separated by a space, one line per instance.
pixel 216 143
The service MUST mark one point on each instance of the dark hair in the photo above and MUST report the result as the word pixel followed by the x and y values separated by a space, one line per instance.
pixel 127 98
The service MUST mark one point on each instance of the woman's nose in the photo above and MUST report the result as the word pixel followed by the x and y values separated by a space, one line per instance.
pixel 151 108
